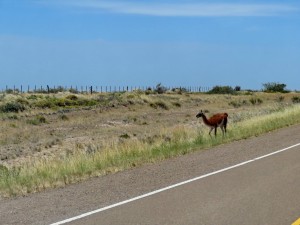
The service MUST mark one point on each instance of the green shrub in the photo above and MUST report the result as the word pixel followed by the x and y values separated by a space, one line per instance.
pixel 44 103
pixel 32 97
pixel 222 90
pixel 9 91
pixel 22 101
pixel 12 107
pixel 274 87
pixel 69 101
pixel 87 102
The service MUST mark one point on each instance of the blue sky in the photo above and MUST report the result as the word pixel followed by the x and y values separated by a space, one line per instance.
pixel 143 43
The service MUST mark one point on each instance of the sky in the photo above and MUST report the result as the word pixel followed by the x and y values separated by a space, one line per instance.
pixel 143 43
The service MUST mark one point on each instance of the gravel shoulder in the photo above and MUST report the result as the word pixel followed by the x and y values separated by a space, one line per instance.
pixel 58 204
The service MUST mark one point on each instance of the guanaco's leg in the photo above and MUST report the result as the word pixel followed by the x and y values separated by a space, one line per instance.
pixel 222 128
pixel 211 130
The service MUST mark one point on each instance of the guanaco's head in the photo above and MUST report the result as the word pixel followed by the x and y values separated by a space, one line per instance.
pixel 200 114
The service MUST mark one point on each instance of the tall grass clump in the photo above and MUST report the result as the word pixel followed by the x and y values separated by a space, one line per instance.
pixel 130 152
pixel 265 123
pixel 296 99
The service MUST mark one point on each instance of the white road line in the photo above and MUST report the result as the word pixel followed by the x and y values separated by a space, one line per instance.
pixel 171 187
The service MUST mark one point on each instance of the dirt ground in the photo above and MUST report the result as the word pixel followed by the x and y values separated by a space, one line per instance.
pixel 65 130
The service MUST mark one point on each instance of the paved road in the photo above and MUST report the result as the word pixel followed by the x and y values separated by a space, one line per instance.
pixel 262 192
pixel 265 191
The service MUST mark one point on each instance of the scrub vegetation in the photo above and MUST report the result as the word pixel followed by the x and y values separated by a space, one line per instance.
pixel 51 140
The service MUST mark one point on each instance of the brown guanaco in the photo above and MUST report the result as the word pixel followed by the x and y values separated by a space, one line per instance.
pixel 217 120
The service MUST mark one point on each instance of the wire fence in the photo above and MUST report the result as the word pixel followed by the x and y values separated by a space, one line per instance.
pixel 98 89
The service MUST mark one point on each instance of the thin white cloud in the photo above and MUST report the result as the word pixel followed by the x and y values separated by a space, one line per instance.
pixel 182 9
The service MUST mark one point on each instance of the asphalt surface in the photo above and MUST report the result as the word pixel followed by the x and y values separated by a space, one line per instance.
pixel 265 191
pixel 261 192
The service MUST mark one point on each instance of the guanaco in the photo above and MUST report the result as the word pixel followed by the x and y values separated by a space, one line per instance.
pixel 217 120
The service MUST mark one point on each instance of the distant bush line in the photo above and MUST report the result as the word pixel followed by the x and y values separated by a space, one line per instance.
pixel 159 89
pixel 100 89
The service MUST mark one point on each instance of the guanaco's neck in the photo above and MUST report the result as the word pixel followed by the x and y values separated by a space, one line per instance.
pixel 205 120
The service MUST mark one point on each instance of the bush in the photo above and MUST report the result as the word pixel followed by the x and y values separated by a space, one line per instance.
pixel 237 88
pixel 32 97
pixel 37 120
pixel 160 89
pixel 64 117
pixel 12 107
pixel 22 101
pixel 274 87
pixel 255 101
pixel 222 90
pixel 44 103
pixel 177 104
pixel 9 91
pixel 296 99
pixel 69 101
pixel 72 97
pixel 159 104
pixel 125 136
pixel 179 90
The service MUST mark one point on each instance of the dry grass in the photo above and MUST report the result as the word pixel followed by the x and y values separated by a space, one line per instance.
pixel 121 131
